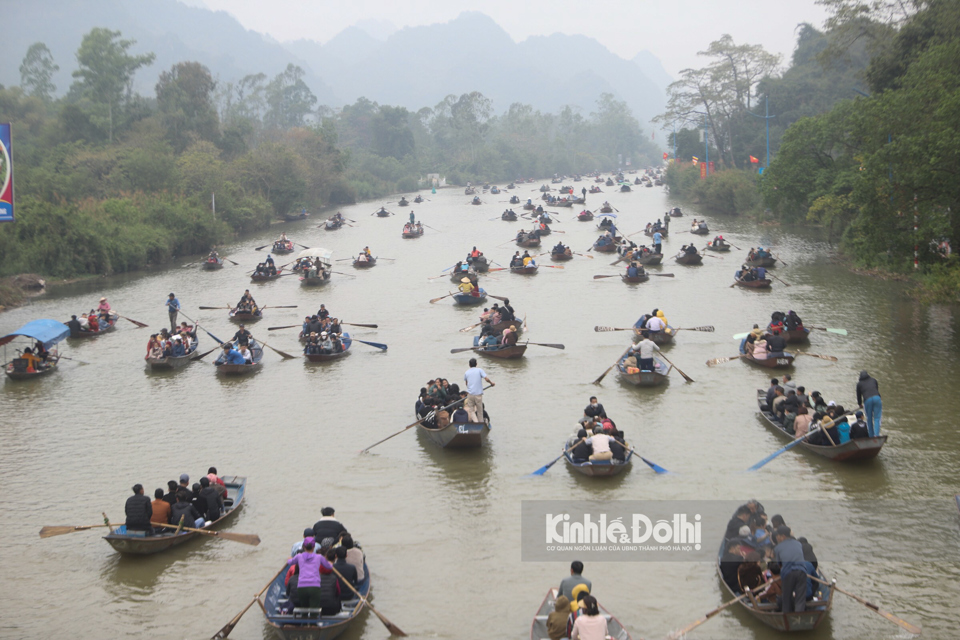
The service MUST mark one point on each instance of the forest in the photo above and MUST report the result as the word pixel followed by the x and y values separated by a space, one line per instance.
pixel 109 181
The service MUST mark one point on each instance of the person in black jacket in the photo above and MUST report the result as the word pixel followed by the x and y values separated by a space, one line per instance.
pixel 328 526
pixel 775 343
pixel 172 488
pixel 583 451
pixel 594 409
pixel 138 511
pixel 211 496
pixel 330 593
pixel 347 570
pixel 868 399
pixel 184 509
pixel 618 446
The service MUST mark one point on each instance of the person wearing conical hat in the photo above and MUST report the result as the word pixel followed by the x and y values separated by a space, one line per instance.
pixel 467 287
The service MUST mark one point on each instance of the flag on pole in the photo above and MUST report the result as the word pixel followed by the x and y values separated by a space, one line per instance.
pixel 754 160
pixel 665 155
pixel 695 160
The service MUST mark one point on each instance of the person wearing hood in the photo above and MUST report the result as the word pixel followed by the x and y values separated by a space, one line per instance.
pixel 868 399
pixel 557 620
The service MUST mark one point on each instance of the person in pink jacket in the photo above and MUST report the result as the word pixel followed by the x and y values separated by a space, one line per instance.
pixel 590 625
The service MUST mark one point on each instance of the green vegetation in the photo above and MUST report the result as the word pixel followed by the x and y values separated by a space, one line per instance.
pixel 110 181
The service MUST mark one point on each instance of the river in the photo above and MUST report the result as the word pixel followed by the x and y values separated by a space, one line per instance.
pixel 442 529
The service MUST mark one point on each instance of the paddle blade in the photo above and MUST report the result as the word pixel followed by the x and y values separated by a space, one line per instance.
pixel 49 532
pixel 139 324
pixel 288 326
pixel 244 538
pixel 740 336
pixel 204 355
pixel 654 465
pixel 355 324
pixel 378 345
pixel 839 332
pixel 542 470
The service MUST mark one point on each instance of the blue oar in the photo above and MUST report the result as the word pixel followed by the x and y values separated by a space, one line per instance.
pixel 218 340
pixel 378 345
pixel 786 448
pixel 652 465
pixel 542 470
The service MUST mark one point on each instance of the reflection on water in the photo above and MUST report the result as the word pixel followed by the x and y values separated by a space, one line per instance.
pixel 73 443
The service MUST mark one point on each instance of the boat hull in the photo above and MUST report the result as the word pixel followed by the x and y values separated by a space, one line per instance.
pixel 599 468
pixel 211 266
pixel 246 316
pixel 527 244
pixel 634 279
pixel 659 338
pixel 172 362
pixel 754 284
pixel 468 300
pixel 52 363
pixel 766 263
pixel 464 435
pixel 692 259
pixel 327 357
pixel 561 257
pixel 364 264
pixel 655 378
pixel 782 361
pixel 525 271
pixel 794 336
pixel 93 334
pixel 128 544
pixel 721 249
pixel 316 281
pixel 295 627
pixel 243 369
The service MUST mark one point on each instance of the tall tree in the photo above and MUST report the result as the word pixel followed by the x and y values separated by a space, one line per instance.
pixel 185 99
pixel 105 73
pixel 36 72
pixel 289 99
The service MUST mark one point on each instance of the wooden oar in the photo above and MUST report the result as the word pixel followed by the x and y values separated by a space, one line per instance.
pixel 839 332
pixel 542 470
pixel 777 279
pixel 473 326
pixel 707 328
pixel 604 374
pixel 286 326
pixel 442 297
pixel 339 273
pixel 903 624
pixel 710 256
pixel 685 376
pixel 392 628
pixel 357 324
pixel 245 538
pixel 781 260
pixel 227 628
pixel 73 360
pixel 547 344
pixel 583 255
pixel 204 355
pixel 682 633
pixel 197 324
pixel 285 356
pixel 815 355
pixel 378 345
pixel 279 306
pixel 501 298
pixel 49 532
pixel 602 329
pixel 552 266
pixel 410 426
pixel 236 264
pixel 598 277
pixel 263 247
pixel 139 324
pixel 714 361
pixel 429 227
pixel 462 349
pixel 208 308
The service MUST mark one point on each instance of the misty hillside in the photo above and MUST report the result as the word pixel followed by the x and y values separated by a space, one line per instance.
pixel 415 67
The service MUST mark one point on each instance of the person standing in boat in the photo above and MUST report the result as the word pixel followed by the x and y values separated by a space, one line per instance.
pixel 475 377
pixel 788 554
pixel 657 242
pixel 173 308
pixel 644 353
pixel 242 337
pixel 868 399
pixel 309 567
pixel 138 510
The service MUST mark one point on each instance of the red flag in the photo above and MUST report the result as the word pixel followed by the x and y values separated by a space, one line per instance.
pixel 754 160
pixel 665 155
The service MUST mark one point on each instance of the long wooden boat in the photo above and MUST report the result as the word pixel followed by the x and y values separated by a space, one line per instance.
pixel 16 369
pixel 135 543
pixel 585 216
pixel 296 624
pixel 690 259
pixel 625 188
pixel 480 264
pixel 457 435
pixel 723 248
pixel 766 263
pixel 606 248
pixel 529 270
pixel 315 281
pixel 412 232
pixel 470 300
pixel 782 361
pixel 506 324
pixel 754 284
pixel 676 213
pixel 561 257
pixel 259 277
pixel 529 243
pixel 634 279
pixel 212 264
pixel 651 259
pixel 174 362
pixel 246 316
pixel 242 369
pixel 364 264
pixel 500 352
pixel 596 468
pixel 659 338
pixel 282 248
pixel 538 630
pixel 326 357
pixel 332 224
pixel 103 329
pixel 793 336
pixel 644 378
pixel 854 449
pixel 767 613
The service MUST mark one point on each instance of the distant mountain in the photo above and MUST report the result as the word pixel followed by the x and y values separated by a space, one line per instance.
pixel 419 66
pixel 172 30
pixel 653 69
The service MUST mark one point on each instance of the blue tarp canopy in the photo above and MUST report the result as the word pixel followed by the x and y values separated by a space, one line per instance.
pixel 607 215
pixel 49 332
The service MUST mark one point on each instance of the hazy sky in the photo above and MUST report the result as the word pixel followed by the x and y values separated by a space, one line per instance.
pixel 674 30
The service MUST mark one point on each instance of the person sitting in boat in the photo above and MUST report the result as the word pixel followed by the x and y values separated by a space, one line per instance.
pixel 558 249
pixel 793 321
pixel 604 240
pixel 618 446
pixel 138 511
pixel 528 260
pixel 489 341
pixel 242 336
pixel 635 270
pixel 326 345
pixel 363 257
pixel 184 509
pixel 762 253
pixel 214 256
pixel 718 241
pixel 575 586
pixel 230 355
pixel 177 349
pixel 590 624
pixel 760 351
pixel 593 410
pixel 581 451
pixel 34 363
pixel 775 343
pixel 247 304
pixel 245 352
pixel 476 199
pixel 509 337
pixel 311 347
pixel 689 250
pixel 261 270
pixel 516 260
pixel 467 287
pixel 336 342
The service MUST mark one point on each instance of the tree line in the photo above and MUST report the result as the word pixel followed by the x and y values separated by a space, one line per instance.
pixel 109 180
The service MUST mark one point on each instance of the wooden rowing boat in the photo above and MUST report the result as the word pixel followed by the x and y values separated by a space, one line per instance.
pixel 676 213
pixel 246 316
pixel 212 264
pixel 852 450
pixel 700 230
pixel 500 352
pixel 326 357
pixel 793 336
pixel 596 468
pixel 663 232
pixel 332 224
pixel 297 624
pixel 365 264
pixel 606 248
pixel 634 279
pixel 766 263
pixel 315 281
pixel 585 216
pixel 135 543
pixel 529 270
pixel 754 284
pixel 508 216
pixel 403 202
pixel 470 300
pixel 656 377
pixel 506 324
pixel 457 435
pixel 174 362
pixel 723 248
pixel 17 368
pixel 411 232
pixel 767 613
pixel 259 277
pixel 689 259
pixel 538 630
pixel 469 191
pixel 625 188
pixel 659 338
pixel 528 242
pixel 93 334
pixel 242 369
pixel 781 360
pixel 280 247
pixel 480 264
pixel 561 257
pixel 293 217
